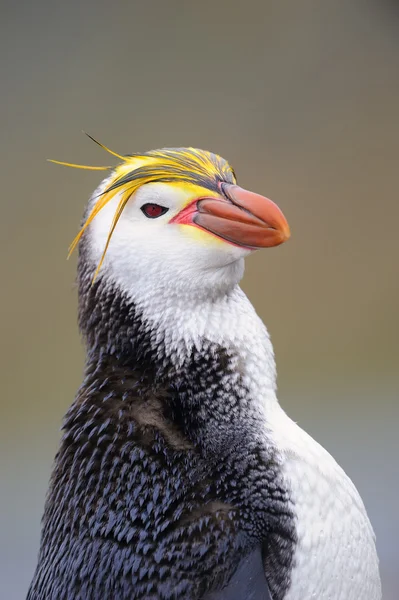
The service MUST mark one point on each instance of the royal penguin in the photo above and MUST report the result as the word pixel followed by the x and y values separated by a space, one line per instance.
pixel 179 476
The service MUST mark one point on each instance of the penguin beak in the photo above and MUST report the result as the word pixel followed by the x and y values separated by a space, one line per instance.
pixel 239 217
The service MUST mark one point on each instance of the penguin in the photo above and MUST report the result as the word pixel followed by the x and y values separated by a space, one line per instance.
pixel 179 476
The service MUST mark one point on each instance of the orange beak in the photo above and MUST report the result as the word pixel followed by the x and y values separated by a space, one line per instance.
pixel 239 217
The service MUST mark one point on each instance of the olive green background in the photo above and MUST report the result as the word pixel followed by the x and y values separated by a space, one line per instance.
pixel 302 97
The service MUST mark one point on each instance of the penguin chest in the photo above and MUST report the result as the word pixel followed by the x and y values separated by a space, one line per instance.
pixel 334 553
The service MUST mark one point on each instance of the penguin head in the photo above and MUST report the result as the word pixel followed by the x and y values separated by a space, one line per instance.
pixel 175 218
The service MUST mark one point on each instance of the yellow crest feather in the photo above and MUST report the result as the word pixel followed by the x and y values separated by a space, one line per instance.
pixel 74 166
pixel 185 165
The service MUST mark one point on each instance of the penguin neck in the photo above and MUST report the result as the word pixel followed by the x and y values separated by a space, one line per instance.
pixel 187 323
pixel 213 352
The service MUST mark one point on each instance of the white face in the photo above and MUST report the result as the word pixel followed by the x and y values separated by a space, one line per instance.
pixel 155 253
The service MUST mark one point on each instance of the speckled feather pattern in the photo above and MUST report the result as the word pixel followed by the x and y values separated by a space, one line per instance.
pixel 151 497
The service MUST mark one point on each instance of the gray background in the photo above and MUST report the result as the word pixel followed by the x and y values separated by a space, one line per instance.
pixel 302 98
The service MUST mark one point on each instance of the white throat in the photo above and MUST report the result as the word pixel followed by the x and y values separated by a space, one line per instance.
pixel 186 322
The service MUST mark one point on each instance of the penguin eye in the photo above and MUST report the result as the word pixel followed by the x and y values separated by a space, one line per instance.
pixel 153 211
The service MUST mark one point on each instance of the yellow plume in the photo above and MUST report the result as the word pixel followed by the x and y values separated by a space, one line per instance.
pixel 184 165
pixel 104 147
pixel 87 167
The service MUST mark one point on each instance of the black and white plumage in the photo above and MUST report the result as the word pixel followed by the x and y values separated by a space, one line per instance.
pixel 179 476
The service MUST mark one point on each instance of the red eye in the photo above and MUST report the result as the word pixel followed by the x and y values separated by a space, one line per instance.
pixel 152 211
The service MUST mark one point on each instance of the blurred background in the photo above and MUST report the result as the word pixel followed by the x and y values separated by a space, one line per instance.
pixel 303 99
